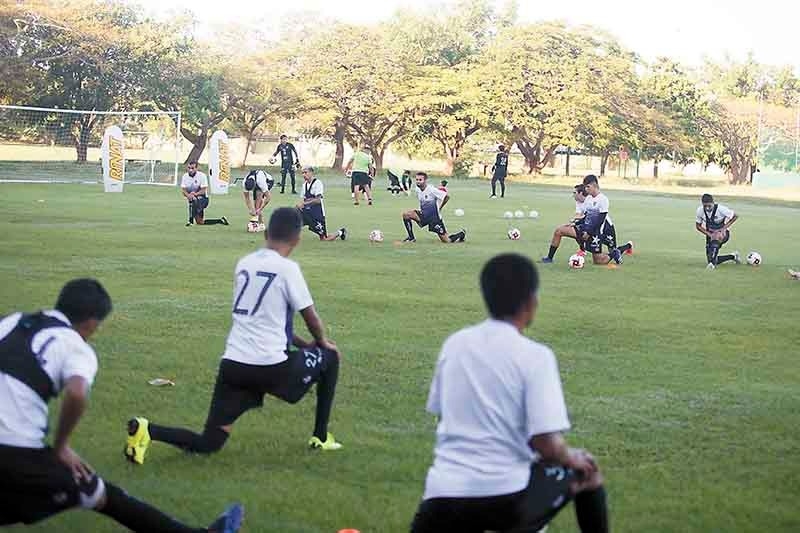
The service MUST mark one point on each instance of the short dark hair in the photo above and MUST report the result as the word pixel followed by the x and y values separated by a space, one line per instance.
pixel 250 181
pixel 507 281
pixel 581 188
pixel 83 299
pixel 192 162
pixel 707 199
pixel 501 148
pixel 284 224
pixel 591 178
pixel 423 174
pixel 283 137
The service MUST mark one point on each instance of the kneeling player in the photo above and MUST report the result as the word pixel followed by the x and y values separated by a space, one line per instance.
pixel 596 229
pixel 259 184
pixel 395 185
pixel 194 187
pixel 713 221
pixel 313 210
pixel 428 213
pixel 568 230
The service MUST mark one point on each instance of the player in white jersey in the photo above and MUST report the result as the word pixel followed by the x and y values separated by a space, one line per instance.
pixel 259 359
pixel 714 220
pixel 501 462
pixel 258 184
pixel 568 230
pixel 596 228
pixel 194 187
pixel 44 355
pixel 431 201
pixel 312 207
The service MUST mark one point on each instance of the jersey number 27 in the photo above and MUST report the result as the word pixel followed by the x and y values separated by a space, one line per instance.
pixel 265 279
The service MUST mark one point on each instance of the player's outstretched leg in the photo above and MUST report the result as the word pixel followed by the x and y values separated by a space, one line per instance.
pixel 408 218
pixel 291 175
pixel 139 516
pixel 326 389
pixel 459 236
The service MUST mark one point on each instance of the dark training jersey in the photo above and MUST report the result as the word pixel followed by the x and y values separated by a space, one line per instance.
pixel 501 165
pixel 287 152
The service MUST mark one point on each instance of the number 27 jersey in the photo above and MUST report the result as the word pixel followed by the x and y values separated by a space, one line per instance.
pixel 267 290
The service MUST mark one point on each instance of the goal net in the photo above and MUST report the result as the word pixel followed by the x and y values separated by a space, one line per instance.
pixel 63 146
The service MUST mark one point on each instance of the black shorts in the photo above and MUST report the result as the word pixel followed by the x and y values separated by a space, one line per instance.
pixel 360 178
pixel 435 225
pixel 499 175
pixel 607 237
pixel 241 387
pixel 528 510
pixel 315 225
pixel 723 241
pixel 35 485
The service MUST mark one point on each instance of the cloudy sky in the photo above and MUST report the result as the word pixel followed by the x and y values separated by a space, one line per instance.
pixel 687 30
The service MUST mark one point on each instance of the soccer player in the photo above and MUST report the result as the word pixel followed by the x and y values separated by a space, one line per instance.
pixel 429 213
pixel 714 220
pixel 194 187
pixel 568 230
pixel 501 462
pixel 259 184
pixel 793 274
pixel 395 175
pixel 361 166
pixel 258 358
pixel 596 228
pixel 44 355
pixel 288 163
pixel 443 186
pixel 312 208
pixel 499 172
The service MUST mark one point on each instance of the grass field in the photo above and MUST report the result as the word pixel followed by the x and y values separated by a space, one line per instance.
pixel 683 382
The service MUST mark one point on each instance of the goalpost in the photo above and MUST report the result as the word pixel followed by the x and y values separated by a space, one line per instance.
pixel 64 146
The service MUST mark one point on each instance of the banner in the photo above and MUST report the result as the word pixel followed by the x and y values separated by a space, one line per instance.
pixel 219 163
pixel 112 154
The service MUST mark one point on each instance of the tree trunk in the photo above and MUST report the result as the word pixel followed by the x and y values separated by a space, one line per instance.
pixel 377 155
pixel 566 170
pixel 338 136
pixel 198 143
pixel 82 142
pixel 656 160
pixel 603 163
pixel 247 147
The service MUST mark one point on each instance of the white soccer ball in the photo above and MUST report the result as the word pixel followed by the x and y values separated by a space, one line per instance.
pixel 376 235
pixel 514 234
pixel 459 212
pixel 576 261
pixel 508 214
pixel 253 226
pixel 754 259
pixel 534 214
pixel 271 160
pixel 519 214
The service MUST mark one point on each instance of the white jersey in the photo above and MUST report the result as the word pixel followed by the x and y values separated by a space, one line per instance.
pixel 493 390
pixel 194 183
pixel 430 199
pixel 723 213
pixel 314 189
pixel 597 204
pixel 267 290
pixel 63 354
pixel 263 180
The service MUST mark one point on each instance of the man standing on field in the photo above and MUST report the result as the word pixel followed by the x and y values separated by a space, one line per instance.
pixel 361 166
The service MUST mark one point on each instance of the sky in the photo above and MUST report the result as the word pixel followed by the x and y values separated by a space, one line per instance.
pixel 686 30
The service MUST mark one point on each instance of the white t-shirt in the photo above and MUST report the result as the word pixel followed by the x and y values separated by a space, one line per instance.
pixel 597 204
pixel 23 413
pixel 194 183
pixel 316 189
pixel 579 208
pixel 493 390
pixel 723 213
pixel 267 290
pixel 262 180
pixel 430 199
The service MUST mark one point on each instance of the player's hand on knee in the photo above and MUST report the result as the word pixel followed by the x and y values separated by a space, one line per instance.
pixel 587 473
pixel 328 345
pixel 80 470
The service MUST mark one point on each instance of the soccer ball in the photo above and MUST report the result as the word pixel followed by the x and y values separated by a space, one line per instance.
pixel 459 212
pixel 576 261
pixel 253 226
pixel 514 234
pixel 519 214
pixel 508 214
pixel 376 235
pixel 271 160
pixel 754 259
pixel 534 214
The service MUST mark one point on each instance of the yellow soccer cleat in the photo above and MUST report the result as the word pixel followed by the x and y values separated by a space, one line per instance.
pixel 138 440
pixel 330 443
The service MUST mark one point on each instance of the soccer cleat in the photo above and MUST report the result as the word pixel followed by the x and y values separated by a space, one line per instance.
pixel 616 255
pixel 138 440
pixel 736 258
pixel 224 221
pixel 462 235
pixel 230 521
pixel 492 197
pixel 343 233
pixel 330 443
pixel 409 239
pixel 629 251
pixel 547 260
pixel 188 224
pixel 710 266
pixel 369 202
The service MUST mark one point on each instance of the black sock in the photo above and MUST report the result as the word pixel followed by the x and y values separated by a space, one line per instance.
pixel 711 253
pixel 502 188
pixel 211 440
pixel 552 253
pixel 494 187
pixel 625 247
pixel 326 388
pixel 591 510
pixel 139 516
pixel 722 258
pixel 409 228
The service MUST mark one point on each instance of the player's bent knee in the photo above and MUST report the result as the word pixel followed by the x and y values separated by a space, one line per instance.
pixel 92 493
pixel 212 440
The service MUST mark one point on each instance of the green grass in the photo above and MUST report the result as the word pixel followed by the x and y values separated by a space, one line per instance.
pixel 683 382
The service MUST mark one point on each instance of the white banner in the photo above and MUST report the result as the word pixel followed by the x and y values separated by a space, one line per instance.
pixel 219 163
pixel 112 154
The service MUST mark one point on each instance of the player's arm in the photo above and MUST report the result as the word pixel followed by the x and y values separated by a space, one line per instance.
pixel 593 225
pixel 730 222
pixel 249 203
pixel 444 201
pixel 262 199
pixel 296 155
pixel 278 149
pixel 316 328
pixel 186 194
pixel 349 166
pixel 203 191
pixel 75 397
pixel 699 227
